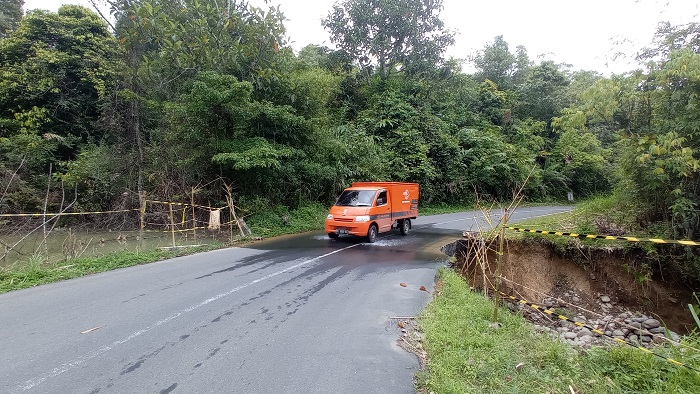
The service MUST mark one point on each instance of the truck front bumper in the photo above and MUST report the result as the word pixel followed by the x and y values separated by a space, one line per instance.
pixel 352 228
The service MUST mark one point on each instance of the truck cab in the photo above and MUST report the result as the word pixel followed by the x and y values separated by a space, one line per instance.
pixel 367 209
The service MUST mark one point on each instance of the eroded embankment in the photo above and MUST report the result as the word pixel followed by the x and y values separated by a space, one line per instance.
pixel 602 283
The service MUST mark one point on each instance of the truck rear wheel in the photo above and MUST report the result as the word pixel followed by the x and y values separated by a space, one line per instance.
pixel 405 226
pixel 372 233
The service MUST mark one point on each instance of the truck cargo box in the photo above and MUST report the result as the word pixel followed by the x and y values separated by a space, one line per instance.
pixel 369 208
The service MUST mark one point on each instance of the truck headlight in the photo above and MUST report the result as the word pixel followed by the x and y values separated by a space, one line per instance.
pixel 329 217
pixel 363 218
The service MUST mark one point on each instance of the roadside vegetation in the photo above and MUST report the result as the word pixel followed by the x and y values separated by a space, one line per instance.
pixel 38 269
pixel 201 102
pixel 589 216
pixel 206 103
pixel 311 217
pixel 37 272
pixel 466 354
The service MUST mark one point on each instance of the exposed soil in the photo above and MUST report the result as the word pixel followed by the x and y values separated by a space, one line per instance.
pixel 601 282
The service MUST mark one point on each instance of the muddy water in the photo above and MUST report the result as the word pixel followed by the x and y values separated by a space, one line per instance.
pixel 63 244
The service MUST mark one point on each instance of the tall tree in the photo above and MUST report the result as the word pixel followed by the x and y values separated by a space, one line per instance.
pixel 543 94
pixel 58 69
pixel 390 33
pixel 522 65
pixel 496 63
pixel 167 44
pixel 669 38
pixel 660 161
pixel 10 14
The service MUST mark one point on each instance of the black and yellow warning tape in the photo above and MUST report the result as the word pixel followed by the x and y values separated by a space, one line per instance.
pixel 596 331
pixel 608 237
pixel 9 215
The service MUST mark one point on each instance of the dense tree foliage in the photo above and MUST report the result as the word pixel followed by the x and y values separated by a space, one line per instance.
pixel 179 93
pixel 58 69
pixel 10 15
pixel 390 34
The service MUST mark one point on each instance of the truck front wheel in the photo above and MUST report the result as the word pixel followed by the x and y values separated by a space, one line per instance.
pixel 372 233
pixel 405 226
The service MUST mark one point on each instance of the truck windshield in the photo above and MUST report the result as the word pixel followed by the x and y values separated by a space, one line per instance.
pixel 356 198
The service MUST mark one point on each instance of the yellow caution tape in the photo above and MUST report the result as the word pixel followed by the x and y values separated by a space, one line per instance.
pixel 185 205
pixel 596 331
pixel 166 202
pixel 9 215
pixel 175 231
pixel 609 237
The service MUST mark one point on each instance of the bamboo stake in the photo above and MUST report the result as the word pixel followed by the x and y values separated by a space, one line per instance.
pixel 483 259
pixel 142 219
pixel 232 208
pixel 238 222
pixel 194 220
pixel 172 224
pixel 46 202
pixel 499 266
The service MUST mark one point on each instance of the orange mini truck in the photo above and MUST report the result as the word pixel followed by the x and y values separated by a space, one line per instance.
pixel 367 209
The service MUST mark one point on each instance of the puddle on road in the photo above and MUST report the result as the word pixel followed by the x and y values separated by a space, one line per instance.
pixel 388 241
pixel 419 246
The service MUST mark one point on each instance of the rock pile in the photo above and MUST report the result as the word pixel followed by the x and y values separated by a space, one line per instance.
pixel 633 327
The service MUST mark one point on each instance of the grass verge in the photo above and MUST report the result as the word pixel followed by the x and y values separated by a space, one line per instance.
pixel 465 355
pixel 438 209
pixel 272 222
pixel 586 217
pixel 36 273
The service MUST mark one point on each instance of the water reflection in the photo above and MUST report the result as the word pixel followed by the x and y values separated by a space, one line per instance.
pixel 60 245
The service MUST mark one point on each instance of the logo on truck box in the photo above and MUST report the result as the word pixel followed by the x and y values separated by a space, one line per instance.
pixel 406 196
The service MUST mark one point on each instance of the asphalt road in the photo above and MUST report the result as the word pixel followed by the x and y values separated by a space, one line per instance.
pixel 296 314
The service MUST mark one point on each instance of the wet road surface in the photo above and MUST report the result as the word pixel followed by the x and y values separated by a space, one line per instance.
pixel 296 314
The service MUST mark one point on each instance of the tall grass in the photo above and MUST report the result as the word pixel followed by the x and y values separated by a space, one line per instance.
pixel 467 355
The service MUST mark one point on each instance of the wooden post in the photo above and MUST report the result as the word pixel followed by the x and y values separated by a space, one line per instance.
pixel 499 266
pixel 194 220
pixel 172 224
pixel 232 208
pixel 483 260
pixel 142 219
pixel 235 218
pixel 213 236
pixel 46 203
